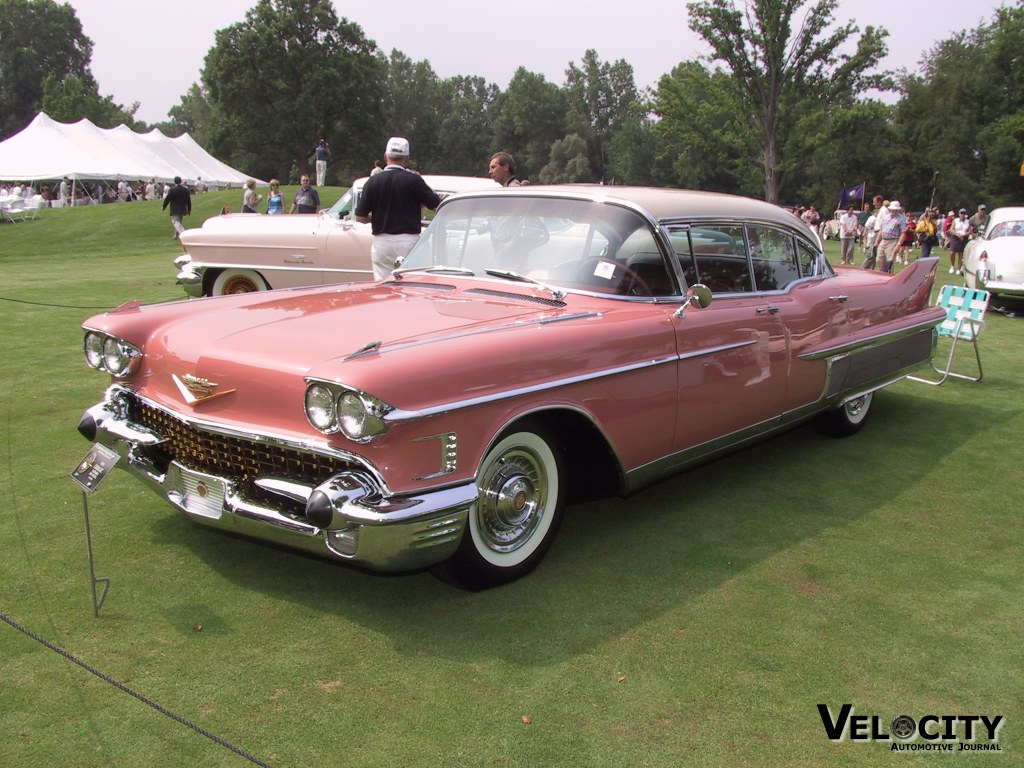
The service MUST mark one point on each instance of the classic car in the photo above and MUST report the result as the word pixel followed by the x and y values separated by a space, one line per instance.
pixel 538 345
pixel 832 228
pixel 240 253
pixel 994 261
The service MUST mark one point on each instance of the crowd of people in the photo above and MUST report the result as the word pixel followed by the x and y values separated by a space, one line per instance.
pixel 73 192
pixel 888 235
pixel 885 233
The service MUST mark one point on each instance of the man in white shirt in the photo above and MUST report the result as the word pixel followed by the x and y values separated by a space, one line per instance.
pixel 873 237
pixel 848 224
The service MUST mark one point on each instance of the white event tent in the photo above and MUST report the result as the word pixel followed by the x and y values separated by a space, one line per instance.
pixel 48 150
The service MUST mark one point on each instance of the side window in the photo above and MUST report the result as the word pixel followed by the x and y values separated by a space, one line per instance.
pixel 720 254
pixel 810 262
pixel 773 258
pixel 680 239
pixel 713 254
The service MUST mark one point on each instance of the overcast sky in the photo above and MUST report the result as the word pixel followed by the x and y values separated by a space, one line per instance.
pixel 151 51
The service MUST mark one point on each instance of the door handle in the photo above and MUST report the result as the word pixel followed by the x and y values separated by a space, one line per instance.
pixel 839 299
pixel 771 309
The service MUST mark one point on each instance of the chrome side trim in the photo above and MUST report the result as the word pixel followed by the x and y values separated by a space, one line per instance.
pixel 714 350
pixel 700 454
pixel 399 415
pixel 874 338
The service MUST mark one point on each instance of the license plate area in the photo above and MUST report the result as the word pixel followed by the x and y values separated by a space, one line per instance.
pixel 195 492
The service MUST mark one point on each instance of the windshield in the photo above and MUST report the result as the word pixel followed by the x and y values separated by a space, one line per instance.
pixel 343 208
pixel 570 244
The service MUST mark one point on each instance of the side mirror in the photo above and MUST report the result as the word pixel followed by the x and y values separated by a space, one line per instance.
pixel 698 294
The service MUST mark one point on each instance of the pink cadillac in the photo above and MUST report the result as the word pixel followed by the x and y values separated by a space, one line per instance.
pixel 538 344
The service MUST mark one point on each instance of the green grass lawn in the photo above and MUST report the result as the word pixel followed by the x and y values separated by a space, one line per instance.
pixel 697 623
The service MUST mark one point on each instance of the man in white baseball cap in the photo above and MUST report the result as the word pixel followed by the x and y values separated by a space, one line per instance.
pixel 391 203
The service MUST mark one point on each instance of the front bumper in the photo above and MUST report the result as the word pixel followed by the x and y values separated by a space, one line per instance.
pixel 349 517
pixel 192 281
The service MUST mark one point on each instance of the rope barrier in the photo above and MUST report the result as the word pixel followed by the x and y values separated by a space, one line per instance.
pixel 145 700
pixel 42 304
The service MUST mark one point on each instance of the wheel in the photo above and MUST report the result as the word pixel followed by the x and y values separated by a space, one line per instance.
pixel 518 511
pixel 847 419
pixel 636 285
pixel 237 281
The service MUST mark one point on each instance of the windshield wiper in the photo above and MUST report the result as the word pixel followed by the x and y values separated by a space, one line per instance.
pixel 440 268
pixel 556 293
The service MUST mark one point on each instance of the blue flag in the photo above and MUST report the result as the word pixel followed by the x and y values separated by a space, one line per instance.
pixel 849 194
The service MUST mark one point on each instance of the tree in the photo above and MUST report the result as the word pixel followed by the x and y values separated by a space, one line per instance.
pixel 528 118
pixel 964 116
pixel 632 153
pixel 703 139
pixel 193 115
pixel 602 98
pixel 781 76
pixel 73 98
pixel 411 108
pixel 38 38
pixel 569 162
pixel 288 74
pixel 464 139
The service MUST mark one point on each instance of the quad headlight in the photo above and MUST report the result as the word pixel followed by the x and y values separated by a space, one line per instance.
pixel 332 408
pixel 322 408
pixel 110 354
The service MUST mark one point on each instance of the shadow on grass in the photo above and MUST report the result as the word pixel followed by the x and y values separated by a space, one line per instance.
pixel 1011 306
pixel 619 562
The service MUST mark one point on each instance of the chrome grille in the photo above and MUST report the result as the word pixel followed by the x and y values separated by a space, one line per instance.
pixel 233 458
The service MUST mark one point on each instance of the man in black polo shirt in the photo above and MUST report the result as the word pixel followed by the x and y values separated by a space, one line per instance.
pixel 391 203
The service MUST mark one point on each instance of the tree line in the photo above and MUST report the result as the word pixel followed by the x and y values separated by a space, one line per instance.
pixel 789 106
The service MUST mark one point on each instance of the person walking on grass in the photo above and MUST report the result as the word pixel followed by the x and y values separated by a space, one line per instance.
pixel 180 200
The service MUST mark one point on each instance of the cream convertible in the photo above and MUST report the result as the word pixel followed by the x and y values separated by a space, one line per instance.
pixel 538 344
pixel 240 253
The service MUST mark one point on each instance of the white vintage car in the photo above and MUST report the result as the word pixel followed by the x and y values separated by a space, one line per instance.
pixel 832 228
pixel 241 253
pixel 994 260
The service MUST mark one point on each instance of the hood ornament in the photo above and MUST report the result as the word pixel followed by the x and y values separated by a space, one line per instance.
pixel 197 390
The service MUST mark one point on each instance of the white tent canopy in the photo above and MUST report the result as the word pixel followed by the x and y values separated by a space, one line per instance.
pixel 46 150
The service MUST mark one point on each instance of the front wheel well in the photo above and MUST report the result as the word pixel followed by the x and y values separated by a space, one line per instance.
pixel 209 277
pixel 592 469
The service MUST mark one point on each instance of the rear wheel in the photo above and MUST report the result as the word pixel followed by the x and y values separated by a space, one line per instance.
pixel 847 419
pixel 517 513
pixel 237 281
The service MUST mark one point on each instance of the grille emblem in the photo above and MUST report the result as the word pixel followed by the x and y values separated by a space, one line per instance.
pixel 197 390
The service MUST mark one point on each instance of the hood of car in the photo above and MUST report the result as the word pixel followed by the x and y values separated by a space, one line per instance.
pixel 260 348
pixel 219 227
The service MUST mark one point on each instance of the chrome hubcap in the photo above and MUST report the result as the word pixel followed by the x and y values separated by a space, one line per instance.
pixel 512 500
